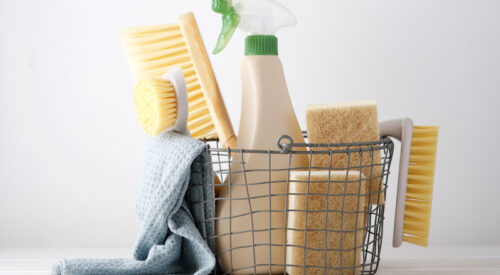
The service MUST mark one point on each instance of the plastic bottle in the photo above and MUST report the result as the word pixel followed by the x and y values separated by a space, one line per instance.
pixel 266 114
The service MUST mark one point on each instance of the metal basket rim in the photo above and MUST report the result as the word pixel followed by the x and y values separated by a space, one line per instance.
pixel 288 148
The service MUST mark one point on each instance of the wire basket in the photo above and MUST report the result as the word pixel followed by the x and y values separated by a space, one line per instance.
pixel 298 209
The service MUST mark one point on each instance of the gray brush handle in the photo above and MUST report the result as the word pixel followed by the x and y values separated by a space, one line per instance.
pixel 176 76
pixel 401 129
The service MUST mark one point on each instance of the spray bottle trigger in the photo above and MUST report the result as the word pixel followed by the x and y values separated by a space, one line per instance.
pixel 230 21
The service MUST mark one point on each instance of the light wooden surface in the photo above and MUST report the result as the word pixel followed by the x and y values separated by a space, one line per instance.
pixel 411 259
pixel 406 260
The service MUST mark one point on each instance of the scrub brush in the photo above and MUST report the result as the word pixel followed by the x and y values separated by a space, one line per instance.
pixel 152 50
pixel 155 105
pixel 415 181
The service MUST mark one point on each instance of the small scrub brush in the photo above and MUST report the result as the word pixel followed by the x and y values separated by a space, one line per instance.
pixel 415 181
pixel 155 105
pixel 162 103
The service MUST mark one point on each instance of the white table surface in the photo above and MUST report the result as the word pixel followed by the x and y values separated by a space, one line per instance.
pixel 405 260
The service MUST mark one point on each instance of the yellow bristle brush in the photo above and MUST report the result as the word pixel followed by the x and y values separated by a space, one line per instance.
pixel 151 51
pixel 155 104
pixel 415 180
pixel 164 101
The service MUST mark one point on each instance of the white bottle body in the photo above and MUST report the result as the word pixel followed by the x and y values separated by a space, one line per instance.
pixel 266 109
pixel 266 114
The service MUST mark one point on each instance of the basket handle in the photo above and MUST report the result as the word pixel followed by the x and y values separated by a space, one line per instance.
pixel 402 130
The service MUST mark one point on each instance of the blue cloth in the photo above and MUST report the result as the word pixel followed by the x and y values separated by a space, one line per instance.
pixel 172 214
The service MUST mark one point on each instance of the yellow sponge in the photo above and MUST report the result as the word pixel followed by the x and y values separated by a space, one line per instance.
pixel 346 123
pixel 347 206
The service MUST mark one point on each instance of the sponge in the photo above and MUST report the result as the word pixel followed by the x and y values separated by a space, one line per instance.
pixel 346 123
pixel 347 207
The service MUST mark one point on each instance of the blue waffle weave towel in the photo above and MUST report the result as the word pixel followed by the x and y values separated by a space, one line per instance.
pixel 172 214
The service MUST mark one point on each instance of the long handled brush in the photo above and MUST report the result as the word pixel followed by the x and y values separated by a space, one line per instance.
pixel 415 181
pixel 151 51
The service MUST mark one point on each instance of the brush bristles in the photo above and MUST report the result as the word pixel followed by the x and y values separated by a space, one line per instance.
pixel 151 51
pixel 420 185
pixel 155 105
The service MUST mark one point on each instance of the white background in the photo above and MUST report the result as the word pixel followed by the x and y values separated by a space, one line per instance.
pixel 71 150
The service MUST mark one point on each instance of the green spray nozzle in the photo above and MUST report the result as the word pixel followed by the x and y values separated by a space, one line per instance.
pixel 222 6
pixel 230 21
pixel 261 18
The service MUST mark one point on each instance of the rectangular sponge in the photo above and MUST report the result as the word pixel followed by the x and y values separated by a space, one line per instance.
pixel 346 123
pixel 347 206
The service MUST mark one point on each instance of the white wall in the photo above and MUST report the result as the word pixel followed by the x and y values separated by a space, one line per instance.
pixel 71 150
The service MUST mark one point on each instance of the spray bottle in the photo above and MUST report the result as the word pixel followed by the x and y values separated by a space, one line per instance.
pixel 253 242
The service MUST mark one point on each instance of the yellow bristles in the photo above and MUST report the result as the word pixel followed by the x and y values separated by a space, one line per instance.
pixel 155 105
pixel 420 185
pixel 151 51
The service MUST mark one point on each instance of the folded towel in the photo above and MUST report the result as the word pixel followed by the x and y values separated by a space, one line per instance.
pixel 169 241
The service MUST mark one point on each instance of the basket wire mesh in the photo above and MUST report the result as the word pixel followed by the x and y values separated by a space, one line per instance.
pixel 327 225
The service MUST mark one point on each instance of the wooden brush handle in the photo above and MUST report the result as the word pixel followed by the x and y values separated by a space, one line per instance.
pixel 208 83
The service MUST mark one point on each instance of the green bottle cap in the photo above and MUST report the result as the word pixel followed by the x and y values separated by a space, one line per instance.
pixel 261 45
